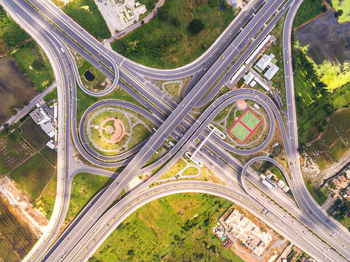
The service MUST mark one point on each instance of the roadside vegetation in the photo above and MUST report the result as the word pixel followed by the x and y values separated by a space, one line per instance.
pixel 84 187
pixel 320 195
pixel 87 15
pixel 181 32
pixel 340 211
pixel 174 228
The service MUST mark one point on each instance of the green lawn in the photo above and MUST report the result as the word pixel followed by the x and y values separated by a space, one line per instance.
pixel 165 42
pixel 50 155
pixel 84 187
pixel 174 228
pixel 86 14
pixel 308 10
pixel 33 175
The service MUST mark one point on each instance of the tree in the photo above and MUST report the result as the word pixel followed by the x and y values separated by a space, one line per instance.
pixel 195 26
pixel 338 13
pixel 14 35
pixel 324 8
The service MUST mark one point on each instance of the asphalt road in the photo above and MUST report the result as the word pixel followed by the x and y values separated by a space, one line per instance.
pixel 241 46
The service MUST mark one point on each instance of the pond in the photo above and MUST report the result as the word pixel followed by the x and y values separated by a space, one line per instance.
pixel 15 89
pixel 89 76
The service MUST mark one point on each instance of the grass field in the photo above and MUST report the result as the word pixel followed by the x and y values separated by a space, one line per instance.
pixel 33 175
pixel 245 125
pixel 34 134
pixel 50 155
pixel 342 5
pixel 250 120
pixel 86 14
pixel 240 131
pixel 308 10
pixel 176 168
pixel 84 187
pixel 165 42
pixel 175 228
pixel 16 238
pixel 46 202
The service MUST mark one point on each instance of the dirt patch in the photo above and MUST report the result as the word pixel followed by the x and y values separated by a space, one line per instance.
pixel 35 219
pixel 327 39
pixel 15 88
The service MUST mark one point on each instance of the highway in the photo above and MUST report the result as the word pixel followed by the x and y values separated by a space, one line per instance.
pixel 320 235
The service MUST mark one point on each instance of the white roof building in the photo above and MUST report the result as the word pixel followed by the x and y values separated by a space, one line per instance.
pixel 280 184
pixel 264 62
pixel 286 189
pixel 39 116
pixel 273 69
pixel 48 128
pixel 248 78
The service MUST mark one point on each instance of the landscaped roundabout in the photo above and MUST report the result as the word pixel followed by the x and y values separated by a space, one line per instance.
pixel 111 130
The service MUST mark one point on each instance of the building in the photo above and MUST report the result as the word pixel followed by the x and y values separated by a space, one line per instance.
pixel 267 62
pixel 46 118
pixel 281 184
pixel 248 233
pixel 270 73
pixel 348 173
pixel 264 62
pixel 248 78
pixel 342 179
pixel 286 189
pixel 40 116
pixel 336 182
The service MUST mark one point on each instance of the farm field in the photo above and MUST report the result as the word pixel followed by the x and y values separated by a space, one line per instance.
pixel 33 175
pixel 333 142
pixel 34 134
pixel 11 153
pixel 146 235
pixel 165 42
pixel 16 238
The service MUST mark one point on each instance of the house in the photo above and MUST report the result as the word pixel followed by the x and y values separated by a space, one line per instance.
pixel 342 179
pixel 336 182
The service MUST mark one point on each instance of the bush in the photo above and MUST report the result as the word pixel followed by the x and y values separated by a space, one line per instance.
pixel 14 35
pixel 195 26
